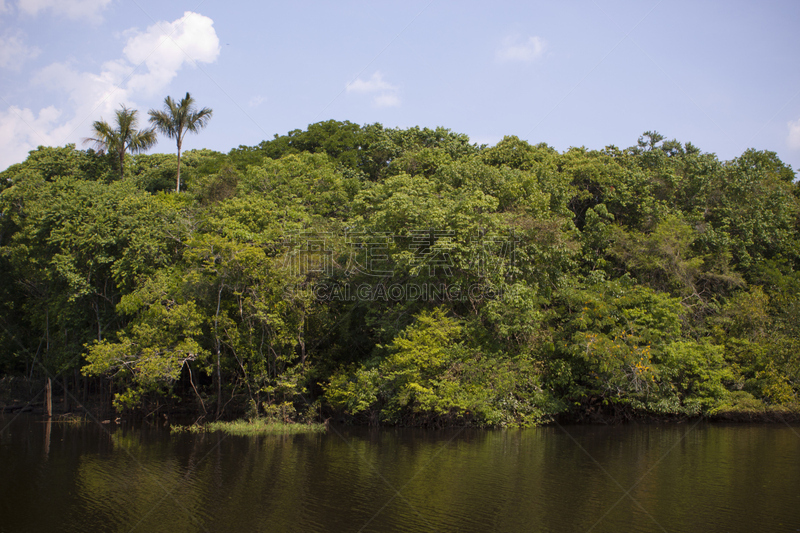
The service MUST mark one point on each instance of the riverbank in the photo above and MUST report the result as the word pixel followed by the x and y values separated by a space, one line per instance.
pixel 20 395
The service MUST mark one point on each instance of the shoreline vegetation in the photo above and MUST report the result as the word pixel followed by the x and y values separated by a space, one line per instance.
pixel 738 408
pixel 253 427
pixel 405 277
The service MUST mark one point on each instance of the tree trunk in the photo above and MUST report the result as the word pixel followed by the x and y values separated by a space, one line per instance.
pixel 219 387
pixel 218 349
pixel 178 185
pixel 99 325
pixel 301 339
pixel 47 333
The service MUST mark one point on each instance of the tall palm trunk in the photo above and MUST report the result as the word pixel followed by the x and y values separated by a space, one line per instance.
pixel 178 185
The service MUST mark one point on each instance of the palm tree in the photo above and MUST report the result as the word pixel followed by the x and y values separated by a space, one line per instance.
pixel 124 137
pixel 176 119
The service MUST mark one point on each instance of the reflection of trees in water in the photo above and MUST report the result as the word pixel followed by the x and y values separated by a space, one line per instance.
pixel 546 479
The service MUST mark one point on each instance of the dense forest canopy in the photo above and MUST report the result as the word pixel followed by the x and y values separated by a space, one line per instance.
pixel 406 276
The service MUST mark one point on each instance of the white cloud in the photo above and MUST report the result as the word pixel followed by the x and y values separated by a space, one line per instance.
pixel 256 101
pixel 387 96
pixel 374 84
pixel 793 140
pixel 516 49
pixel 75 9
pixel 166 46
pixel 150 61
pixel 21 131
pixel 13 50
pixel 386 100
pixel 89 94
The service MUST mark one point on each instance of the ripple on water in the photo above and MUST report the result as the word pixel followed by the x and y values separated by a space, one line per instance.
pixel 681 478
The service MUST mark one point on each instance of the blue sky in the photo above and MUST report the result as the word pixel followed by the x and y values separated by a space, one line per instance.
pixel 722 75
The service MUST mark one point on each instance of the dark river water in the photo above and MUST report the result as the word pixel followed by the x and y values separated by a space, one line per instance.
pixel 690 477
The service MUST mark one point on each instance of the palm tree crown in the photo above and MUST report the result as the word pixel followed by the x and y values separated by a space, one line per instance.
pixel 178 118
pixel 122 138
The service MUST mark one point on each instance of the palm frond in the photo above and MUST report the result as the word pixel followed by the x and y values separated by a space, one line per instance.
pixel 123 137
pixel 178 118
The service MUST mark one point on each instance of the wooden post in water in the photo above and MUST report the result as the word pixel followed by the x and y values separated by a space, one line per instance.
pixel 47 438
pixel 48 398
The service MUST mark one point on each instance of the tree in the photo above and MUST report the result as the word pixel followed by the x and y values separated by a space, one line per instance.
pixel 125 137
pixel 178 118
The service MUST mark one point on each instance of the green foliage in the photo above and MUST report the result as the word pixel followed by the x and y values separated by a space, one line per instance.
pixel 696 373
pixel 47 163
pixel 354 390
pixel 651 280
pixel 74 248
pixel 151 352
pixel 612 335
pixel 122 137
pixel 249 428
pixel 664 260
pixel 430 376
pixel 154 172
pixel 759 348
pixel 307 182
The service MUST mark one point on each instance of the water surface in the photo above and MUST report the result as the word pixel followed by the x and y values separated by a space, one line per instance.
pixel 690 477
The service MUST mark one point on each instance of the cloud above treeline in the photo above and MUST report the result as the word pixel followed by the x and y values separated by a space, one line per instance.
pixel 793 140
pixel 13 50
pixel 517 49
pixel 149 61
pixel 383 93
